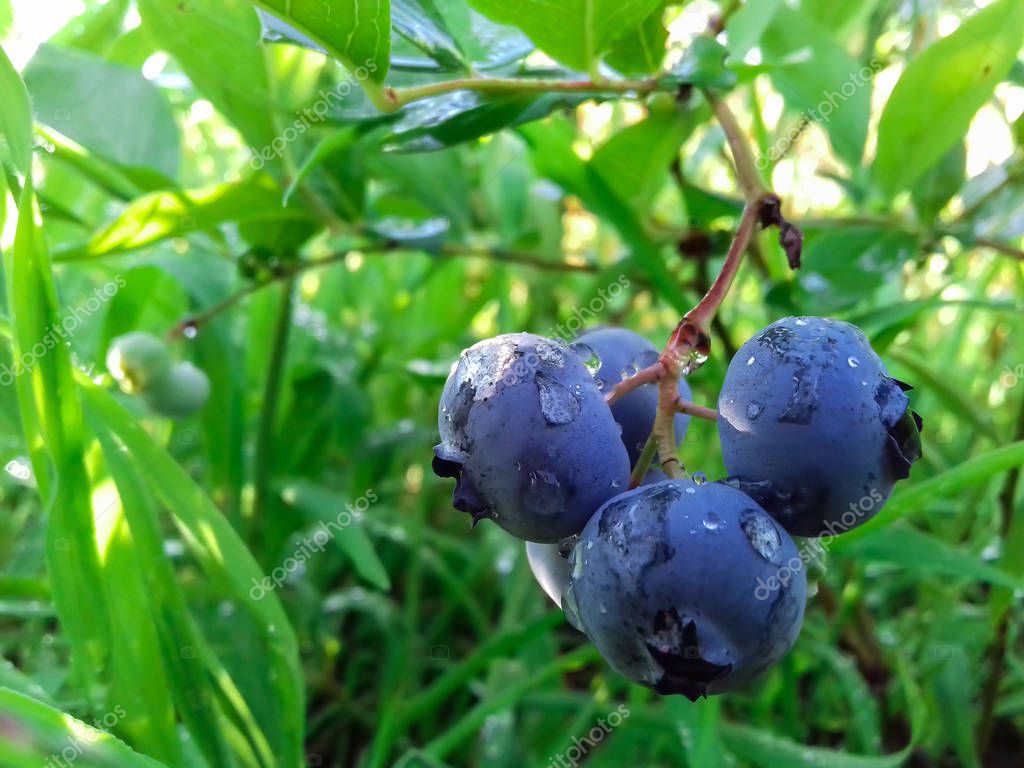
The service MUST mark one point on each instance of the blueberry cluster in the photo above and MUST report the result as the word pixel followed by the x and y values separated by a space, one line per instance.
pixel 685 586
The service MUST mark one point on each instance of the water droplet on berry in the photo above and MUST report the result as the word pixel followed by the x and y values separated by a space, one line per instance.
pixel 762 534
pixel 751 360
pixel 550 354
pixel 712 522
pixel 853 362
pixel 754 410
pixel 557 403
pixel 700 478
pixel 800 321
pixel 645 359
pixel 587 354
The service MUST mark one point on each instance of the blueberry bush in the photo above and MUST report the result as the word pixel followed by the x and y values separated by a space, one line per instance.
pixel 707 313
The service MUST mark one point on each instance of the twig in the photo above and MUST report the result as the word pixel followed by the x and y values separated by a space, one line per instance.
pixel 290 271
pixel 397 98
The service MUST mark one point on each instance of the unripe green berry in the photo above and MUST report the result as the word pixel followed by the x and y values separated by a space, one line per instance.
pixel 180 394
pixel 138 361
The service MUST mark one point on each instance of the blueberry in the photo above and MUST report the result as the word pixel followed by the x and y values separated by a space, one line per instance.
pixel 813 427
pixel 687 588
pixel 620 352
pixel 550 568
pixel 528 437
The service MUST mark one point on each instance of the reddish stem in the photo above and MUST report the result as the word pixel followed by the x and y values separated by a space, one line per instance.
pixel 648 375
pixel 698 411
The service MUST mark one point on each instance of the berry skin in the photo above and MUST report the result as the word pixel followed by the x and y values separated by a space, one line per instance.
pixel 687 588
pixel 183 392
pixel 138 361
pixel 528 437
pixel 813 427
pixel 550 568
pixel 618 349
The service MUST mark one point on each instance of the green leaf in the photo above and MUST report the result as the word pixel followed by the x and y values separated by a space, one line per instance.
pixel 575 32
pixel 6 17
pixel 744 28
pixel 420 22
pixel 52 425
pixel 76 93
pixel 909 548
pixel 444 121
pixel 161 215
pixel 641 51
pixel 635 161
pixel 348 532
pixel 954 688
pixel 16 117
pixel 218 47
pixel 770 751
pixel 842 266
pixel 819 79
pixel 226 563
pixel 907 499
pixel 355 32
pixel 703 65
pixel 936 97
pixel 32 733
pixel 553 156
pixel 937 187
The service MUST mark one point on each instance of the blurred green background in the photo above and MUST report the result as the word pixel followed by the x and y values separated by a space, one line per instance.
pixel 205 173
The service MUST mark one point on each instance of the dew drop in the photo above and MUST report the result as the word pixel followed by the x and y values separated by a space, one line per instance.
pixel 587 354
pixel 691 490
pixel 557 403
pixel 550 354
pixel 700 478
pixel 695 360
pixel 571 608
pixel 751 360
pixel 645 359
pixel 800 321
pixel 190 331
pixel 853 362
pixel 712 522
pixel 762 534
pixel 754 410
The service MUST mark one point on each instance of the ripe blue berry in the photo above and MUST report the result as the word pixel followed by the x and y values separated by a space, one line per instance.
pixel 622 352
pixel 528 437
pixel 813 427
pixel 687 588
